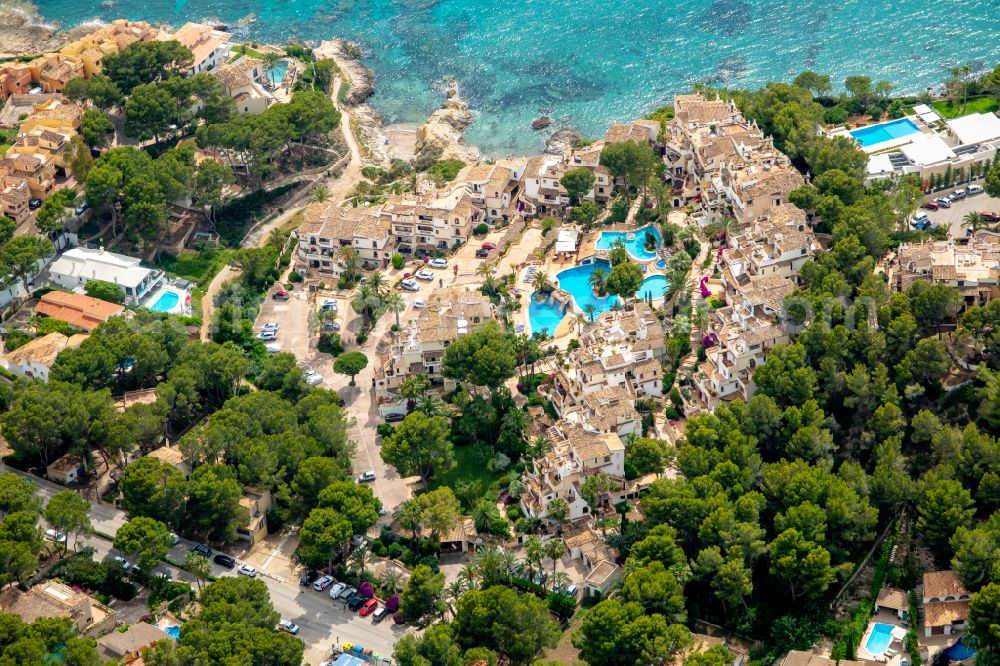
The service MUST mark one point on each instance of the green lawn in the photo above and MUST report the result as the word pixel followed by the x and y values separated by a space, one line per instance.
pixel 198 267
pixel 981 105
pixel 468 468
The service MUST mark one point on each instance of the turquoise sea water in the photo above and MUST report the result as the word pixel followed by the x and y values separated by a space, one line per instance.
pixel 585 62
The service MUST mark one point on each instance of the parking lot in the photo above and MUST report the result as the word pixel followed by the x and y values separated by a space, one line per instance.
pixel 953 217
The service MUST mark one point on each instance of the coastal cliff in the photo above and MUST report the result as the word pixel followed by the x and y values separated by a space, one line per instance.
pixel 347 55
pixel 442 133
pixel 23 31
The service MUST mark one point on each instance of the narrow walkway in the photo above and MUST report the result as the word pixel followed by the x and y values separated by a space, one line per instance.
pixel 339 187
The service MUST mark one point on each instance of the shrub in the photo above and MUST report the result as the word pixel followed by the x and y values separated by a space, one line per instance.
pixel 672 414
pixel 384 430
pixel 38 293
pixel 562 605
pixel 330 343
pixel 395 550
pixel 481 229
pixel 701 354
pixel 294 276
pixel 105 291
pixel 17 338
pixel 378 548
pixel 513 512
pixel 430 561
pixel 445 170
pixel 361 339
pixel 397 261
pixel 548 224
pixel 619 210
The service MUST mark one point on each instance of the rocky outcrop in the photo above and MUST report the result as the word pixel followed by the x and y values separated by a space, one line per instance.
pixel 23 31
pixel 541 123
pixel 441 135
pixel 348 57
pixel 562 141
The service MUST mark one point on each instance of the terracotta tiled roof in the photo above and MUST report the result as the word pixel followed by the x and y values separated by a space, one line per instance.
pixel 941 584
pixel 77 310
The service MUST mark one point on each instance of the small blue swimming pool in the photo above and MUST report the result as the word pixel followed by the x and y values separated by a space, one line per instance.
pixel 166 302
pixel 959 651
pixel 636 245
pixel 544 316
pixel 879 639
pixel 655 286
pixel 277 74
pixel 661 264
pixel 576 281
pixel 875 134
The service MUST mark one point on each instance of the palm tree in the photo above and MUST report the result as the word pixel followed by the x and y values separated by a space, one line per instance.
pixel 431 406
pixel 391 582
pixel 974 220
pixel 490 285
pixel 591 312
pixel 558 510
pixel 377 283
pixel 598 280
pixel 319 194
pixel 700 318
pixel 484 269
pixel 541 282
pixel 468 575
pixel 554 550
pixel 270 60
pixel 366 302
pixel 579 320
pixel 485 515
pixel 453 591
pixel 534 552
pixel 360 560
pixel 410 517
pixel 395 303
pixel 350 258
pixel 560 579
pixel 538 447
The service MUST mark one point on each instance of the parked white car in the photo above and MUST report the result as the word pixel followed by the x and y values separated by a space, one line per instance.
pixel 975 189
pixel 438 263
pixel 270 326
pixel 424 274
pixel 288 627
pixel 273 348
pixel 247 570
pixel 267 336
pixel 419 303
pixel 313 378
pixel 337 589
pixel 410 284
pixel 55 535
pixel 366 477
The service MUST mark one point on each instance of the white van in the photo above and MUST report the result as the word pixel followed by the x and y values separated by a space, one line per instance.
pixel 975 189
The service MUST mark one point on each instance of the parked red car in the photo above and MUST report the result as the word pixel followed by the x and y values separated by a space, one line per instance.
pixel 280 295
pixel 368 608
pixel 990 217
pixel 489 246
pixel 931 205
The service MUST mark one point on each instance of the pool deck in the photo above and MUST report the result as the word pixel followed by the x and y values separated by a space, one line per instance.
pixel 883 617
pixel 555 263
pixel 182 308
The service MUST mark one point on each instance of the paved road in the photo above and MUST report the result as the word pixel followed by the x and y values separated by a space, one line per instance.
pixel 321 620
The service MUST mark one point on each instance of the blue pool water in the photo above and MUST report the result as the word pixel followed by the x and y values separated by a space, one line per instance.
pixel 655 286
pixel 166 302
pixel 587 63
pixel 959 651
pixel 575 281
pixel 636 246
pixel 545 316
pixel 661 264
pixel 879 639
pixel 277 73
pixel 869 136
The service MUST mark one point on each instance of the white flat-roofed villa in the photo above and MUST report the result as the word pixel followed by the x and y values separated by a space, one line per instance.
pixel 926 145
pixel 146 287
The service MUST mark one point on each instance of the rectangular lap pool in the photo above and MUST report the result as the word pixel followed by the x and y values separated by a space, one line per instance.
pixel 875 134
